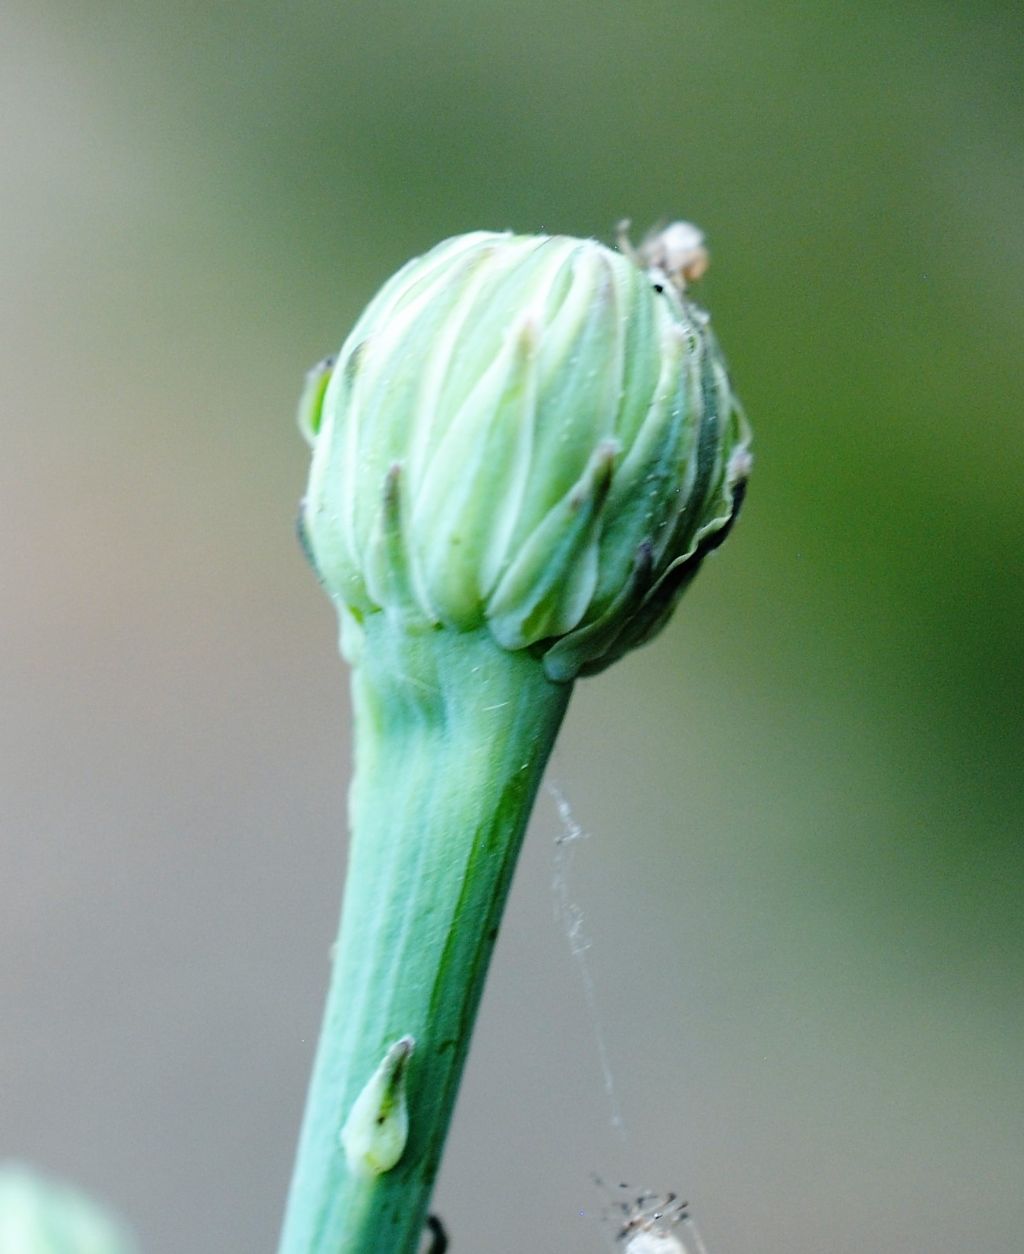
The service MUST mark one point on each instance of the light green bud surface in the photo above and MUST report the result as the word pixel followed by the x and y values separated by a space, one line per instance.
pixel 535 434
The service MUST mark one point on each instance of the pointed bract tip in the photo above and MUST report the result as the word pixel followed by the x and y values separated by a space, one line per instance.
pixel 375 1133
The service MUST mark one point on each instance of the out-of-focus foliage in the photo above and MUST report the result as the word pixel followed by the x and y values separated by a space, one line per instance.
pixel 805 875
pixel 40 1217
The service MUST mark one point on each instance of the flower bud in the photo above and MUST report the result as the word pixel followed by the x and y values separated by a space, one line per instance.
pixel 532 433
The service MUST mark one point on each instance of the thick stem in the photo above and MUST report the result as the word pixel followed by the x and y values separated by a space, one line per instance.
pixel 452 735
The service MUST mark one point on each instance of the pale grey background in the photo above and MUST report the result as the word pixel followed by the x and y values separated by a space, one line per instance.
pixel 803 881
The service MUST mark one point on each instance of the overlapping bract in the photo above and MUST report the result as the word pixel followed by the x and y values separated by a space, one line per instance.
pixel 527 432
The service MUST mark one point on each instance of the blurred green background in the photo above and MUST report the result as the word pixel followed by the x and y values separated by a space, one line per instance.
pixel 804 880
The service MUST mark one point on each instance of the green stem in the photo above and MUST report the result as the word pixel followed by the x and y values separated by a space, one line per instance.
pixel 452 735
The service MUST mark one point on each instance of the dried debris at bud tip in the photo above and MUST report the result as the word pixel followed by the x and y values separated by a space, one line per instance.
pixel 677 252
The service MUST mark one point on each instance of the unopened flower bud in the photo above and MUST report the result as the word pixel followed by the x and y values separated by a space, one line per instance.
pixel 536 434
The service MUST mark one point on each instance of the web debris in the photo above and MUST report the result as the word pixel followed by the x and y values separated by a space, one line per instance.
pixel 653 1223
pixel 647 1223
pixel 569 916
